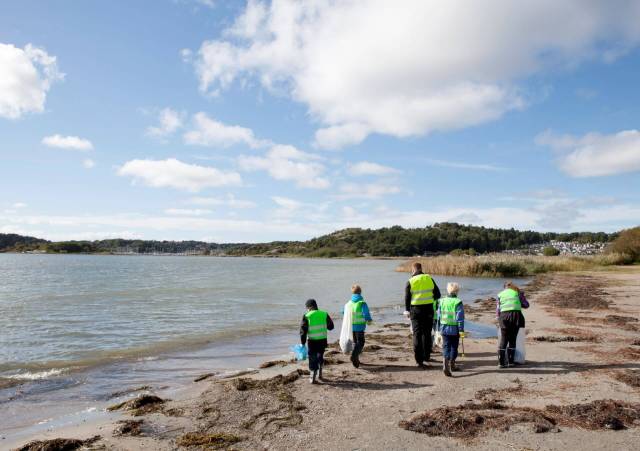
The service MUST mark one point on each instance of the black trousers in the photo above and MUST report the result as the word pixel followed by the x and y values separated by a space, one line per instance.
pixel 422 323
pixel 358 344
pixel 316 353
pixel 508 337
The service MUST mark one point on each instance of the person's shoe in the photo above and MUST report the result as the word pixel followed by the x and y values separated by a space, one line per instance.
pixel 446 367
pixel 320 378
pixel 502 358
pixel 312 377
pixel 355 361
pixel 422 365
pixel 454 367
pixel 511 356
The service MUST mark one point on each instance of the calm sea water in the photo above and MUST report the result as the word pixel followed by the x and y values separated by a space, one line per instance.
pixel 80 326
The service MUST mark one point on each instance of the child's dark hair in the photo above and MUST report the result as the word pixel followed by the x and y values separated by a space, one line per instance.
pixel 355 289
pixel 311 303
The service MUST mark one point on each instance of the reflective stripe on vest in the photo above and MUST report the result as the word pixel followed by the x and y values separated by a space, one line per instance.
pixel 421 289
pixel 357 316
pixel 448 311
pixel 509 300
pixel 317 324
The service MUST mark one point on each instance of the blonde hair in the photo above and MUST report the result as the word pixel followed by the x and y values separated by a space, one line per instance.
pixel 453 288
pixel 355 289
pixel 512 285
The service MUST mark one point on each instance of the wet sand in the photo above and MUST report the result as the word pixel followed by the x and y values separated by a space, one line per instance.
pixel 578 389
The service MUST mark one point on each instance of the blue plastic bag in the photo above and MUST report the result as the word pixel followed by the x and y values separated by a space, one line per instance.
pixel 300 351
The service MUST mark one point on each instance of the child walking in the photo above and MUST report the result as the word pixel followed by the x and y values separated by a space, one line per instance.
pixel 360 317
pixel 451 326
pixel 314 329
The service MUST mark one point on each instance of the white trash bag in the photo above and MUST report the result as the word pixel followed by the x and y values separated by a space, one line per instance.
pixel 520 351
pixel 437 339
pixel 346 333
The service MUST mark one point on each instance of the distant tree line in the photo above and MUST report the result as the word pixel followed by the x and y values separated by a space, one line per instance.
pixel 398 241
pixel 354 242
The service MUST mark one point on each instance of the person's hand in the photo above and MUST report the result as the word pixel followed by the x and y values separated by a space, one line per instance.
pixel 462 335
pixel 406 314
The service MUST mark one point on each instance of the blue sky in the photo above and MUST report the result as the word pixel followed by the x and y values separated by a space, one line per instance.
pixel 255 121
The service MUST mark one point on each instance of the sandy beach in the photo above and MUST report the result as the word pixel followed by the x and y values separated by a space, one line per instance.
pixel 578 389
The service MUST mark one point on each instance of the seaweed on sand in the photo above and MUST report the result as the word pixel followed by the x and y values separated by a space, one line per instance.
pixel 271 363
pixel 128 428
pixel 58 444
pixel 469 420
pixel 243 383
pixel 141 405
pixel 629 377
pixel 487 394
pixel 204 440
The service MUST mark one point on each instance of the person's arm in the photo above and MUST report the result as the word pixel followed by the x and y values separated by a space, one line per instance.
pixel 498 307
pixel 460 317
pixel 436 291
pixel 329 323
pixel 304 328
pixel 407 297
pixel 437 317
pixel 366 313
pixel 523 300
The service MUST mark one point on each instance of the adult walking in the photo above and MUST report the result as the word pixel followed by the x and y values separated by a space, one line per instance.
pixel 510 303
pixel 420 296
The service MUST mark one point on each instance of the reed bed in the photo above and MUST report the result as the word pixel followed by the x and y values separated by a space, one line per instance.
pixel 504 265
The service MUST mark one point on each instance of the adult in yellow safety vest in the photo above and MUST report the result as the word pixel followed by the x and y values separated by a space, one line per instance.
pixel 509 307
pixel 314 330
pixel 420 298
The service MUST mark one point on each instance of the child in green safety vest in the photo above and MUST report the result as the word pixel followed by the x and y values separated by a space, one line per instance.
pixel 451 326
pixel 314 331
pixel 360 317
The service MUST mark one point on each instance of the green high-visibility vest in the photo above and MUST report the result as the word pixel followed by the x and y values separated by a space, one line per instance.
pixel 509 300
pixel 317 324
pixel 421 289
pixel 448 311
pixel 357 317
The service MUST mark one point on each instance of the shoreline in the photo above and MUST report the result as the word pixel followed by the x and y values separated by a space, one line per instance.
pixel 569 363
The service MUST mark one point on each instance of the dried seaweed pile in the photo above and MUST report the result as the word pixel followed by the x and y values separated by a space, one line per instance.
pixel 469 420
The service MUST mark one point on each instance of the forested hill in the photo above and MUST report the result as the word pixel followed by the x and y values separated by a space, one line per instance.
pixel 398 241
pixel 392 241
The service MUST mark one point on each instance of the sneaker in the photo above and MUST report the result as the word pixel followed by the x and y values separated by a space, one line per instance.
pixel 454 367
pixel 422 366
pixel 355 361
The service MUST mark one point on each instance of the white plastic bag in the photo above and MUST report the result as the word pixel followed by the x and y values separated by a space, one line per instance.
pixel 520 354
pixel 520 351
pixel 437 339
pixel 346 334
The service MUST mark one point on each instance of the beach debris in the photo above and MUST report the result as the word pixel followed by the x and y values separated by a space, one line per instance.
pixel 141 405
pixel 58 444
pixel 370 348
pixel 579 292
pixel 567 338
pixel 128 428
pixel 118 394
pixel 396 325
pixel 203 440
pixel 205 376
pixel 271 363
pixel 494 394
pixel 635 342
pixel 629 353
pixel 469 420
pixel 243 383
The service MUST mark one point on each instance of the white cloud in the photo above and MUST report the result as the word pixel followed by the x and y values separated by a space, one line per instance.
pixel 471 166
pixel 67 142
pixel 187 211
pixel 594 154
pixel 25 78
pixel 283 162
pixel 366 191
pixel 88 163
pixel 369 168
pixel 212 133
pixel 169 121
pixel 176 174
pixel 19 205
pixel 228 201
pixel 368 66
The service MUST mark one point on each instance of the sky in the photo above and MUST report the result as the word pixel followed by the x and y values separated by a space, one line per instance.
pixel 234 121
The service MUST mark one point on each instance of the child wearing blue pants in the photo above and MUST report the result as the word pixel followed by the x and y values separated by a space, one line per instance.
pixel 451 326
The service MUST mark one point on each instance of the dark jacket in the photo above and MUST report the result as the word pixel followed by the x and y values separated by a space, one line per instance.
pixel 407 294
pixel 304 329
